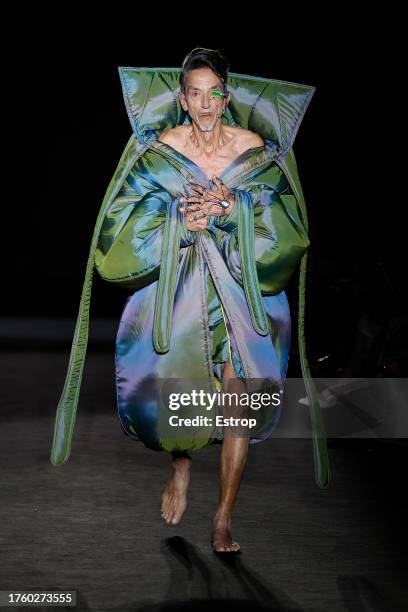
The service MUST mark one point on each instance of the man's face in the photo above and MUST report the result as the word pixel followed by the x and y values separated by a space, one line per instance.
pixel 203 99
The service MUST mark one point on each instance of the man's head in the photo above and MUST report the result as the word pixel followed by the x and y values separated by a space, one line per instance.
pixel 203 87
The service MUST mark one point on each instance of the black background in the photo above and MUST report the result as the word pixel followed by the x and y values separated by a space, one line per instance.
pixel 92 525
pixel 75 128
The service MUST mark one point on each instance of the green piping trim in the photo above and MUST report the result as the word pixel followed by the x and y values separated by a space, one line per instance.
pixel 246 239
pixel 320 452
pixel 67 405
pixel 166 289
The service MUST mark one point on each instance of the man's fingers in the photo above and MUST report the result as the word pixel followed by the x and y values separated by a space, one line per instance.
pixel 205 192
pixel 190 208
pixel 191 199
pixel 213 194
pixel 209 202
pixel 209 194
pixel 197 187
pixel 206 207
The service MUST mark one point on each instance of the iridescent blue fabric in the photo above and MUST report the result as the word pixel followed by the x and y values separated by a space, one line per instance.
pixel 199 299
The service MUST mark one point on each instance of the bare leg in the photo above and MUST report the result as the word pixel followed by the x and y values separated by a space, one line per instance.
pixel 174 498
pixel 233 459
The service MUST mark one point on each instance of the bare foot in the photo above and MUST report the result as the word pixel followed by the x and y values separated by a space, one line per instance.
pixel 174 498
pixel 221 539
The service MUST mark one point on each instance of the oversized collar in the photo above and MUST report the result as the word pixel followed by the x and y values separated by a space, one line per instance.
pixel 273 109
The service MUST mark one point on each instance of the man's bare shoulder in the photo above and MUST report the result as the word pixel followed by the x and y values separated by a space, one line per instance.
pixel 172 136
pixel 246 139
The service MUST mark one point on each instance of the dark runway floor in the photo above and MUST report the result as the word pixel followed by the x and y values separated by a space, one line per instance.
pixel 94 525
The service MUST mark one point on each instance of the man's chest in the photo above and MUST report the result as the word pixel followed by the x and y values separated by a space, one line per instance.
pixel 215 164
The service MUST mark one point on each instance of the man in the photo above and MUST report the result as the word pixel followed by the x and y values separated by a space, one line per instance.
pixel 213 147
pixel 204 220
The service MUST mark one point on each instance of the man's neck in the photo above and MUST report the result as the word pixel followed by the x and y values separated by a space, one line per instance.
pixel 208 143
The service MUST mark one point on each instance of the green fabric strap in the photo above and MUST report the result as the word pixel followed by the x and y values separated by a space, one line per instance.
pixel 166 289
pixel 67 405
pixel 246 237
pixel 320 453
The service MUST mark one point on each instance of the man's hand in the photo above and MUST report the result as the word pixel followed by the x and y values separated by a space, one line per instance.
pixel 205 203
pixel 196 222
pixel 197 213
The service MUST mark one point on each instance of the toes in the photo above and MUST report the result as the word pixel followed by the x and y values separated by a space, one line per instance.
pixel 164 501
pixel 169 502
pixel 172 514
pixel 167 511
pixel 164 509
pixel 178 513
pixel 218 546
pixel 225 546
pixel 167 505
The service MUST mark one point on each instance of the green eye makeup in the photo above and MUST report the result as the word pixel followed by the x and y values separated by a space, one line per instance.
pixel 217 94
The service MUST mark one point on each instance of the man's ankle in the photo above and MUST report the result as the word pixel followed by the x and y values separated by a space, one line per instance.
pixel 222 518
pixel 180 458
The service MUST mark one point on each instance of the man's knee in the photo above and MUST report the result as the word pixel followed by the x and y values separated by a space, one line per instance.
pixel 228 371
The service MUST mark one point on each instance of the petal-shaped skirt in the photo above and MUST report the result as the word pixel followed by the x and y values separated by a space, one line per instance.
pixel 194 332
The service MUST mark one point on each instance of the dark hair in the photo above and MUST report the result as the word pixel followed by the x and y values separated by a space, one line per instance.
pixel 204 58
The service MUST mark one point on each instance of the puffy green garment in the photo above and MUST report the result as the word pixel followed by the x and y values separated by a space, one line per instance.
pixel 244 261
